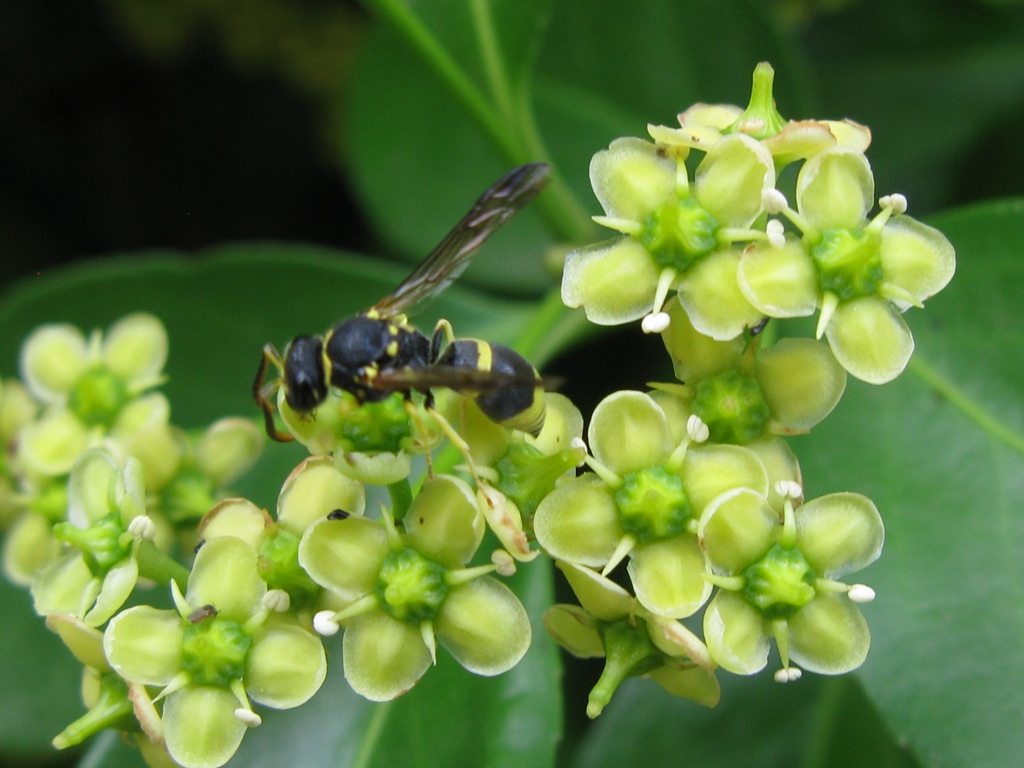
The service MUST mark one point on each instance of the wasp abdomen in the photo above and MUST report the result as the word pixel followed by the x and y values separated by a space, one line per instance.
pixel 514 398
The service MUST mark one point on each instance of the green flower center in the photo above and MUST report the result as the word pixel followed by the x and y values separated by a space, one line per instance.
pixel 653 504
pixel 382 427
pixel 679 233
pixel 103 544
pixel 526 474
pixel 214 651
pixel 733 407
pixel 849 262
pixel 278 565
pixel 98 398
pixel 780 583
pixel 411 588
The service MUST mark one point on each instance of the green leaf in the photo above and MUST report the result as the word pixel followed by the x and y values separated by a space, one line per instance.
pixel 941 453
pixel 815 722
pixel 219 311
pixel 605 70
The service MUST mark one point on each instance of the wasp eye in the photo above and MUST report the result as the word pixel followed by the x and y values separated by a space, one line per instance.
pixel 305 384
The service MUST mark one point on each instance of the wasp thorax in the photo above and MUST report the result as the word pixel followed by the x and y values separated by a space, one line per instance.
pixel 355 344
pixel 305 385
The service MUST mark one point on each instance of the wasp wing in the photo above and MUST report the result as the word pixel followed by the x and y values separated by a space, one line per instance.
pixel 456 377
pixel 452 255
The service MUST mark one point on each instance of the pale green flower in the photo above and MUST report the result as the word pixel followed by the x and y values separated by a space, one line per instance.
pixel 406 592
pixel 213 653
pixel 777 577
pixel 675 236
pixel 644 499
pixel 863 273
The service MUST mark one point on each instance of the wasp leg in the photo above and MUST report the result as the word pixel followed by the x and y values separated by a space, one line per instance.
pixel 443 332
pixel 264 392
pixel 414 414
pixel 463 447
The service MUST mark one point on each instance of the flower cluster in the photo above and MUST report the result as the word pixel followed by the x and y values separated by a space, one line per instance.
pixel 692 511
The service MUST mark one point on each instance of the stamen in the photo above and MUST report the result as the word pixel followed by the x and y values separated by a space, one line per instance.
pixel 249 718
pixel 610 478
pixel 626 545
pixel 895 292
pixel 861 593
pixel 324 623
pixel 774 202
pixel 577 444
pixel 427 633
pixel 776 233
pixel 829 302
pixel 142 527
pixel 697 429
pixel 895 201
pixel 789 489
pixel 656 322
pixel 277 600
pixel 504 563
pixel 625 226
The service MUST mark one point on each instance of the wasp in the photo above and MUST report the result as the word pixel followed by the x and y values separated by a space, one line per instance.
pixel 378 352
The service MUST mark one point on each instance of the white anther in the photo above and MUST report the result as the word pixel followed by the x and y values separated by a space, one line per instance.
pixel 249 718
pixel 896 201
pixel 324 623
pixel 788 489
pixel 776 233
pixel 773 201
pixel 277 600
pixel 656 322
pixel 787 675
pixel 697 429
pixel 142 527
pixel 503 562
pixel 860 593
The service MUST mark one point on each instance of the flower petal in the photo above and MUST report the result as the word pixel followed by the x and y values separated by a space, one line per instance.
pixel 50 446
pixel 85 642
pixel 801 380
pixel 631 178
pixel 779 282
pixel 575 630
pixel 135 348
pixel 143 645
pixel 285 667
pixel 200 726
pixel 668 577
pixel 731 180
pixel 628 432
pixel 313 490
pixel 614 281
pixel 444 523
pixel 870 339
pixel 383 657
pixel 835 189
pixel 118 584
pixel 484 626
pixel 228 448
pixel 344 555
pixel 713 469
pixel 737 528
pixel 696 355
pixel 601 597
pixel 829 635
pixel 735 634
pixel 224 575
pixel 64 585
pixel 95 483
pixel 915 257
pixel 839 533
pixel 236 517
pixel 579 522
pixel 53 359
pixel 710 293
pixel 688 682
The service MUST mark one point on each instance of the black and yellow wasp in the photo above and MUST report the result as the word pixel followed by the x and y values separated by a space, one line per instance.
pixel 378 352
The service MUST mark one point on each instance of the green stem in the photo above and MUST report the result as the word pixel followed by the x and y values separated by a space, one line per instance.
pixel 160 567
pixel 971 409
pixel 510 127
